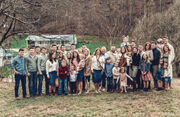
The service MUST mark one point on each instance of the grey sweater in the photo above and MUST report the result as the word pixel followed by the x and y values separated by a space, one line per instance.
pixel 42 59
pixel 31 64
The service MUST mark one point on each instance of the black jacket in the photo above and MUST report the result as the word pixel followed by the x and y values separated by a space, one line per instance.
pixel 157 56
pixel 136 59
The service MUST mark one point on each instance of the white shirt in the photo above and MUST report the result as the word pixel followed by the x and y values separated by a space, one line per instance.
pixel 95 65
pixel 150 55
pixel 167 72
pixel 105 56
pixel 73 76
pixel 171 51
pixel 115 71
pixel 129 60
pixel 124 44
pixel 50 67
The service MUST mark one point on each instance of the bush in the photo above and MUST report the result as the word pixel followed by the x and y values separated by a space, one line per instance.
pixel 5 71
pixel 19 42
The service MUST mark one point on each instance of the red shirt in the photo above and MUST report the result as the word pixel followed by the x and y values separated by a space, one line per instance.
pixel 63 72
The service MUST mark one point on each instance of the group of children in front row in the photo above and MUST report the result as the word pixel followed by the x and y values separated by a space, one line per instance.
pixel 71 71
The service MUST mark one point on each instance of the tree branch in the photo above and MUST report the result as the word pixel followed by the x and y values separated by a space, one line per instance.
pixel 4 36
pixel 18 19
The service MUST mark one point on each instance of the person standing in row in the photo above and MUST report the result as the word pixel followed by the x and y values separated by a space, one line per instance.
pixel 171 57
pixel 139 75
pixel 155 62
pixel 123 79
pixel 73 78
pixel 87 69
pixel 43 57
pixel 80 76
pixel 63 72
pixel 109 74
pixel 135 66
pixel 115 70
pixel 51 72
pixel 145 70
pixel 105 55
pixel 19 68
pixel 31 70
pixel 97 68
pixel 112 54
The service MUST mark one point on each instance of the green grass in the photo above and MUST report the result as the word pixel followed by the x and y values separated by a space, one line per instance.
pixel 93 42
pixel 19 42
pixel 139 104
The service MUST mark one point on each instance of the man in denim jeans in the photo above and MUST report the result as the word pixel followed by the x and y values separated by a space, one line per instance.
pixel 31 70
pixel 42 71
pixel 19 68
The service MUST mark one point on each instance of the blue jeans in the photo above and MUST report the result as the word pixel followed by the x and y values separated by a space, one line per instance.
pixel 109 83
pixel 115 85
pixel 103 80
pixel 33 83
pixel 41 83
pixel 53 76
pixel 23 84
pixel 61 83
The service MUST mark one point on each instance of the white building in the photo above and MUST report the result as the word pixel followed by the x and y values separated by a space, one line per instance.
pixel 48 40
pixel 5 58
pixel 1 56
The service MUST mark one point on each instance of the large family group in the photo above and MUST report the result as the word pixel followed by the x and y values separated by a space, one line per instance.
pixel 69 72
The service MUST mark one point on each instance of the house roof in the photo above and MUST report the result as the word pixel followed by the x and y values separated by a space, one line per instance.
pixel 52 37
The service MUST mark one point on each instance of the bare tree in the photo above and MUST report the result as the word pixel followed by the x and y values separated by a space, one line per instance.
pixel 104 18
pixel 159 25
pixel 16 16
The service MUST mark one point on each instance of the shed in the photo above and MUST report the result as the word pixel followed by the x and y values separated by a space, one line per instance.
pixel 48 40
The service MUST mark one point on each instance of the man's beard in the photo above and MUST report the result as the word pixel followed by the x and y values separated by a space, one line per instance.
pixel 113 51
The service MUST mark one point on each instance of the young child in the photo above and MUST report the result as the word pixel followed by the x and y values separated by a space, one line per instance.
pixel 123 79
pixel 145 71
pixel 108 71
pixel 125 42
pixel 63 73
pixel 159 75
pixel 129 58
pixel 80 76
pixel 166 76
pixel 115 71
pixel 73 78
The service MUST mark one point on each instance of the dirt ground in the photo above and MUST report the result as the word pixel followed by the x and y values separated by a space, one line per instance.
pixel 139 104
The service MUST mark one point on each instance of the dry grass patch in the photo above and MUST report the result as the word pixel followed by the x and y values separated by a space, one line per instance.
pixel 150 104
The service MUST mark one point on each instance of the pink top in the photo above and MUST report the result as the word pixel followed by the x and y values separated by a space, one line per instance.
pixel 75 63
pixel 81 65
pixel 123 79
